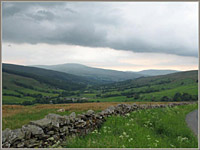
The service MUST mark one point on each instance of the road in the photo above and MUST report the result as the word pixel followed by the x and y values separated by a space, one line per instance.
pixel 192 121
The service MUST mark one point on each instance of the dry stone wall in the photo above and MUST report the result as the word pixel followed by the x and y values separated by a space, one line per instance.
pixel 54 129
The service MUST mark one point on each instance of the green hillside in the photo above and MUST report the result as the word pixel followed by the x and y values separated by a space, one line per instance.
pixel 31 85
pixel 21 83
pixel 156 88
pixel 17 89
pixel 54 78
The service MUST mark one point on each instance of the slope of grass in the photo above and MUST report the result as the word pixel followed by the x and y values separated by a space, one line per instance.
pixel 153 128
pixel 11 90
pixel 14 116
pixel 190 89
pixel 150 88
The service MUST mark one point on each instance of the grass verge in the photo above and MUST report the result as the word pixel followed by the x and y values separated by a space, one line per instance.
pixel 153 128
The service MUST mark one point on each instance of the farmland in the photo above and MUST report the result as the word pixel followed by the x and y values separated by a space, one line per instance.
pixel 29 95
pixel 22 89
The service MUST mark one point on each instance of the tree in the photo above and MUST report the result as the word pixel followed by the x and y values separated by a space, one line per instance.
pixel 186 97
pixel 27 103
pixel 165 99
pixel 136 96
pixel 177 97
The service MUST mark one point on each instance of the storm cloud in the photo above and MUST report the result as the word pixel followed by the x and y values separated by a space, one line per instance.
pixel 170 28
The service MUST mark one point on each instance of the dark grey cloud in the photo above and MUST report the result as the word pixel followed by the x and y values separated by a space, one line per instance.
pixel 139 27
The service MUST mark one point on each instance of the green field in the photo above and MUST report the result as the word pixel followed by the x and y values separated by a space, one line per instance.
pixel 153 128
pixel 18 89
pixel 16 94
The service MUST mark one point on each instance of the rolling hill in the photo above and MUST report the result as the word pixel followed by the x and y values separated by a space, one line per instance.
pixel 154 88
pixel 104 75
pixel 21 83
pixel 153 72
pixel 55 78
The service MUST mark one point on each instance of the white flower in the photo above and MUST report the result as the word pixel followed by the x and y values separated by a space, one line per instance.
pixel 157 141
pixel 127 136
pixel 172 145
pixel 123 146
pixel 131 139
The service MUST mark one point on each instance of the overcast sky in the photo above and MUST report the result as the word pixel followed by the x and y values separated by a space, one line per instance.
pixel 127 36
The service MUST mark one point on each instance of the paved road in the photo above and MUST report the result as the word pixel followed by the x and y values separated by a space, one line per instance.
pixel 192 121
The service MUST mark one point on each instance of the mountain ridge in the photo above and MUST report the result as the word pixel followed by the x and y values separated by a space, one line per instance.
pixel 103 74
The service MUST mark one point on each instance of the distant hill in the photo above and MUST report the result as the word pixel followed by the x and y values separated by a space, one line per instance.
pixel 104 75
pixel 154 88
pixel 179 77
pixel 22 84
pixel 54 78
pixel 153 72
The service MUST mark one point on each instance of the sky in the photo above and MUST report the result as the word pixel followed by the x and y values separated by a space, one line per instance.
pixel 127 36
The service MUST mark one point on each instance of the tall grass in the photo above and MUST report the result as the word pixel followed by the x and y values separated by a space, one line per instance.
pixel 153 128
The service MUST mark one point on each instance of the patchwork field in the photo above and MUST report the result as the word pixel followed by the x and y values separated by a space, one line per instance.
pixel 181 86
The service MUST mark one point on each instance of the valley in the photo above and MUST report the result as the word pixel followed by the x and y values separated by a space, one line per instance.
pixel 31 93
pixel 24 85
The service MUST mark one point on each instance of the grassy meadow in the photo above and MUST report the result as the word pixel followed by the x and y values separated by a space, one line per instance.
pixel 18 89
pixel 15 116
pixel 153 128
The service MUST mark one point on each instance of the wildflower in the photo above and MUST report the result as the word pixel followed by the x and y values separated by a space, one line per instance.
pixel 121 136
pixel 123 146
pixel 157 141
pixel 127 136
pixel 127 114
pixel 124 133
pixel 93 142
pixel 131 119
pixel 172 145
pixel 181 139
pixel 127 124
pixel 95 131
pixel 148 137
pixel 131 139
